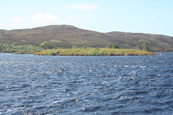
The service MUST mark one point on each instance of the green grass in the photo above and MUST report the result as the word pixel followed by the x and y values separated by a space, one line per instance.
pixel 19 49
pixel 93 52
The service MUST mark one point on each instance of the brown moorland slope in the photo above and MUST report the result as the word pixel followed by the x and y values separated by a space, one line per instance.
pixel 66 36
pixel 129 40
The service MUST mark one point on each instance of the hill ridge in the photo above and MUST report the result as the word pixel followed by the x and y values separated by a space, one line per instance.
pixel 66 36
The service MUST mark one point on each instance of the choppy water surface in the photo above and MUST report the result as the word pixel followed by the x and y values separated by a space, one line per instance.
pixel 86 85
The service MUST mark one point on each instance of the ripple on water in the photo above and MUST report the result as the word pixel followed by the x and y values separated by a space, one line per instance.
pixel 86 85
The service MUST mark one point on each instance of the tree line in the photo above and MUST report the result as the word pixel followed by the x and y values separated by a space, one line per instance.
pixel 10 48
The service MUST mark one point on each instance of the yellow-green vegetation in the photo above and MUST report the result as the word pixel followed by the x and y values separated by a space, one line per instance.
pixel 93 52
pixel 144 45
pixel 19 49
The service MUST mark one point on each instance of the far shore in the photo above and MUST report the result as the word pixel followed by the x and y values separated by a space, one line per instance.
pixel 94 52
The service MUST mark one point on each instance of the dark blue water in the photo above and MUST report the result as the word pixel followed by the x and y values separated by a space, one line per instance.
pixel 86 85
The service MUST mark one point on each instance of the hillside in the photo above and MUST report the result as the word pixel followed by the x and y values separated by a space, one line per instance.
pixel 63 36
pixel 129 40
pixel 66 36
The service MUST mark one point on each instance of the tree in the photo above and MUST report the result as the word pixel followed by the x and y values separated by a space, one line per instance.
pixel 144 45
pixel 47 45
pixel 113 45
pixel 109 45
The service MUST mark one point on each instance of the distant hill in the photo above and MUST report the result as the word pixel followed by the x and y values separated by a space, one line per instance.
pixel 129 40
pixel 66 36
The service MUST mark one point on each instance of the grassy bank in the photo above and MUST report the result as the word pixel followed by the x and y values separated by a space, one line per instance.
pixel 19 49
pixel 93 52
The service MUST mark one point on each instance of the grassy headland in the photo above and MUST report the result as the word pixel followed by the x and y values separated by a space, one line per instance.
pixel 93 52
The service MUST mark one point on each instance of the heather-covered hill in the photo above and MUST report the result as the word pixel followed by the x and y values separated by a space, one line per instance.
pixel 66 36
pixel 129 40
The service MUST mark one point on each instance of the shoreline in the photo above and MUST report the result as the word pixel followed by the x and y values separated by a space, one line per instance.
pixel 94 52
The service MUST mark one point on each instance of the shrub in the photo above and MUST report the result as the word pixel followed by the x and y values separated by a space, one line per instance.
pixel 113 45
pixel 47 45
pixel 144 45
